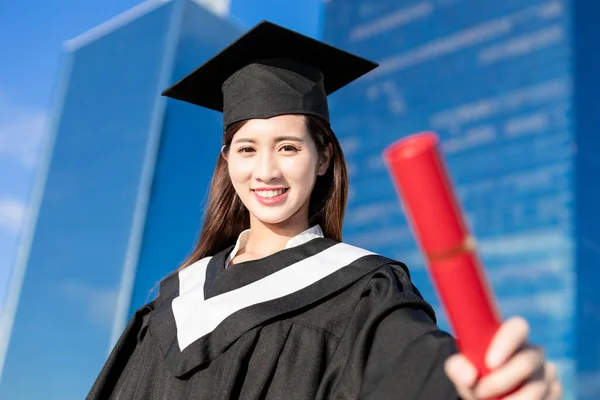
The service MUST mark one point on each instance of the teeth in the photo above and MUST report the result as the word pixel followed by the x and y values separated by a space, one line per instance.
pixel 269 193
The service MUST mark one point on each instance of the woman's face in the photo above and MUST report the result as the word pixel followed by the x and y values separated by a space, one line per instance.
pixel 273 165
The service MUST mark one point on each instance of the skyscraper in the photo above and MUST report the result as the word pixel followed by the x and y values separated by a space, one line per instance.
pixel 508 86
pixel 121 199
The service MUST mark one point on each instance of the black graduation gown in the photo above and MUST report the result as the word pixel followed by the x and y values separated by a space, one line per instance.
pixel 322 320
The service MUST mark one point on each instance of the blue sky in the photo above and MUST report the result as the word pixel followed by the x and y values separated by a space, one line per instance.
pixel 32 34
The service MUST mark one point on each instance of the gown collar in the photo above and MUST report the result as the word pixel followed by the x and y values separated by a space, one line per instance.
pixel 204 308
pixel 301 238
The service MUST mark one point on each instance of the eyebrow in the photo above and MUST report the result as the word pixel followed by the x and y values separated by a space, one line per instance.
pixel 277 139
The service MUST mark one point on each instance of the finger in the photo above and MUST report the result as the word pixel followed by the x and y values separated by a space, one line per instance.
pixel 528 364
pixel 536 389
pixel 550 372
pixel 460 370
pixel 511 336
pixel 556 391
pixel 463 374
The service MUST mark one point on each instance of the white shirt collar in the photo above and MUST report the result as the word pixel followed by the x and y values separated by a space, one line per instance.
pixel 301 238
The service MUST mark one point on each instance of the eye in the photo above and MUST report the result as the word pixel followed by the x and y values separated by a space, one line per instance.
pixel 245 150
pixel 289 148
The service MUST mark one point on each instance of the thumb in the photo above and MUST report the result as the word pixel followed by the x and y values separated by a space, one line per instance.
pixel 463 374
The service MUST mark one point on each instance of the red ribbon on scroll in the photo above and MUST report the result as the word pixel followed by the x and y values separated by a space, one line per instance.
pixel 436 219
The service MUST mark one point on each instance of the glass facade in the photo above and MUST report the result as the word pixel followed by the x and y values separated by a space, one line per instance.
pixel 108 202
pixel 496 81
pixel 586 64
pixel 190 144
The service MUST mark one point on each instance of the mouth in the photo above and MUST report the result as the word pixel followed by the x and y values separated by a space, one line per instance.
pixel 270 193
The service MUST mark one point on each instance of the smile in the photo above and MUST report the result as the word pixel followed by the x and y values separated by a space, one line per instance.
pixel 269 194
pixel 270 197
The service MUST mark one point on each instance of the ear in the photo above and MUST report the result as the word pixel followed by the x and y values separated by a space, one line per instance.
pixel 224 153
pixel 325 160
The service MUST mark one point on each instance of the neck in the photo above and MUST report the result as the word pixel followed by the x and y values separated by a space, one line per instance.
pixel 265 239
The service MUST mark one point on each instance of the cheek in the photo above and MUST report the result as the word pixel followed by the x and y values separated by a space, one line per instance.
pixel 239 170
pixel 300 171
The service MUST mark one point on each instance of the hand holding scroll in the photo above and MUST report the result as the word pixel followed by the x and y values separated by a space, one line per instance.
pixel 495 357
pixel 515 366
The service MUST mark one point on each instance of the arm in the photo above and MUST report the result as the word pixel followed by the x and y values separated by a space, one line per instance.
pixel 120 358
pixel 392 347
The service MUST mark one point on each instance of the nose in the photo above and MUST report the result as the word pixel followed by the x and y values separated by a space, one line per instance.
pixel 267 168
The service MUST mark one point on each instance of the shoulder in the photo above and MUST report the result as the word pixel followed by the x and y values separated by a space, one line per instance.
pixel 182 280
pixel 387 276
pixel 366 256
pixel 361 263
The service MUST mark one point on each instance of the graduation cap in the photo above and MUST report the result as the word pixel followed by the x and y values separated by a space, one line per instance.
pixel 269 71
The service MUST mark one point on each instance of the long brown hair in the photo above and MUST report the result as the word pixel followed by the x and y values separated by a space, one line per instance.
pixel 226 216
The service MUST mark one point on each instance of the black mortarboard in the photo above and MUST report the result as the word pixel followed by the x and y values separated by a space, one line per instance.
pixel 269 71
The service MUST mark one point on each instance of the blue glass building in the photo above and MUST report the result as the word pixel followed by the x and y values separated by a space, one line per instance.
pixel 122 194
pixel 509 86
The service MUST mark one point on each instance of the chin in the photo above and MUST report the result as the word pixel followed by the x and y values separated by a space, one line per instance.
pixel 272 219
pixel 272 215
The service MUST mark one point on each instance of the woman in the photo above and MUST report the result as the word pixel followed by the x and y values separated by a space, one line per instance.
pixel 272 304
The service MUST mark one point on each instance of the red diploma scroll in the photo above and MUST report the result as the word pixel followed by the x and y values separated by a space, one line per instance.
pixel 436 219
